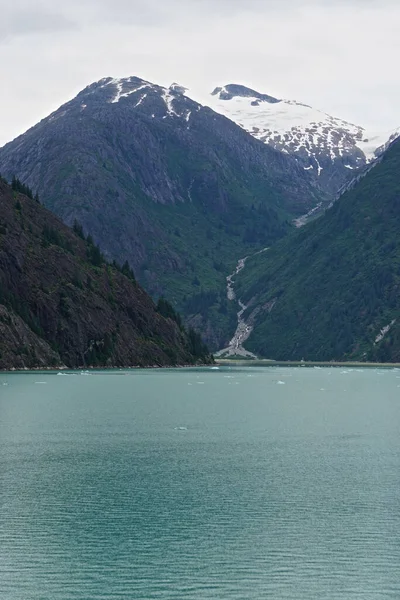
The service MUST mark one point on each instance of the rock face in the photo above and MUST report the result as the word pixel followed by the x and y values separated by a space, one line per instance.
pixel 229 92
pixel 330 291
pixel 176 189
pixel 328 148
pixel 61 304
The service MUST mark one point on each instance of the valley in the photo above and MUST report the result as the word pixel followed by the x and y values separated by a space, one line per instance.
pixel 243 330
pixel 174 188
pixel 182 189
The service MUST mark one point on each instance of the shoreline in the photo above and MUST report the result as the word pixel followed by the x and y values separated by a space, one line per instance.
pixel 299 363
pixel 64 369
pixel 217 363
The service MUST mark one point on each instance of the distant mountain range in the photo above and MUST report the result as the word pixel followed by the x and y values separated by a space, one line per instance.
pixel 330 148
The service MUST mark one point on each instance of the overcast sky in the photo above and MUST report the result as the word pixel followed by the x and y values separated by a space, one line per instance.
pixel 337 55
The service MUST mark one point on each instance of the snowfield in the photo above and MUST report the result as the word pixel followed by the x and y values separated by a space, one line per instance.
pixel 297 128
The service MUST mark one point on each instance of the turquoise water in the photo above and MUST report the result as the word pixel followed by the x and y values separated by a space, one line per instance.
pixel 202 484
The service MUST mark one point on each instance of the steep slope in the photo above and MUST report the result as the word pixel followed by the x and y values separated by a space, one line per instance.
pixel 179 191
pixel 60 303
pixel 330 148
pixel 331 290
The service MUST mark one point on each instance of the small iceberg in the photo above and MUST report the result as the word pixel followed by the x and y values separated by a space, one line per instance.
pixel 280 383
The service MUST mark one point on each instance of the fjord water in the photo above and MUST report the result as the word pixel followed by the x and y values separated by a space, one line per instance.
pixel 201 484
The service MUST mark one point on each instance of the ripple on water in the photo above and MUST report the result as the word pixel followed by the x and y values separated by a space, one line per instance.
pixel 268 494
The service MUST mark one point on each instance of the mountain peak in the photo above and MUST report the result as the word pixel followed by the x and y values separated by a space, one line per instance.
pixel 177 88
pixel 233 90
pixel 329 147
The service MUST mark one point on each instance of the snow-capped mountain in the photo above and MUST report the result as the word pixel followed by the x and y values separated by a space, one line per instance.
pixel 170 112
pixel 329 147
pixel 173 187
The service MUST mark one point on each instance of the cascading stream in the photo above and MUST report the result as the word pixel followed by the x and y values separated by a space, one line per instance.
pixel 244 329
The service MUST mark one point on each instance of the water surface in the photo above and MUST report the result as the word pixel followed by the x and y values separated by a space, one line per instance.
pixel 245 483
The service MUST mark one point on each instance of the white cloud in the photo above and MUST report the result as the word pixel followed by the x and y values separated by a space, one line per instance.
pixel 337 57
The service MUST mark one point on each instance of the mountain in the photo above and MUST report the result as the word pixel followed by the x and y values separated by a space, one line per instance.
pixel 61 304
pixel 330 148
pixel 330 291
pixel 171 186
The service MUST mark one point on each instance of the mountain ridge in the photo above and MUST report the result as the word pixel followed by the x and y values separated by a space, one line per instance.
pixel 324 145
pixel 167 184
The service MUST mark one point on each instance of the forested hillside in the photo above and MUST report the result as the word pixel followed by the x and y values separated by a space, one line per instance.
pixel 331 291
pixel 61 303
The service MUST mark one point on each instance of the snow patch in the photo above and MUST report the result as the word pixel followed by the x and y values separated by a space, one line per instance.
pixel 291 124
pixel 301 221
pixel 121 86
pixel 384 331
pixel 169 99
pixel 139 102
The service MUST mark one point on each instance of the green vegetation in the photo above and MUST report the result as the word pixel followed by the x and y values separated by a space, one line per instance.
pixel 125 270
pixel 166 309
pixel 21 188
pixel 78 229
pixel 328 290
pixel 50 235
pixel 61 302
pixel 180 201
pixel 191 269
